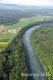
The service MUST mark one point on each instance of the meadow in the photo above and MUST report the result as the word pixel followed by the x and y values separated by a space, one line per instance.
pixel 9 31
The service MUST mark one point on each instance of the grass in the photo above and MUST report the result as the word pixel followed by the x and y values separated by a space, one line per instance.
pixel 3 43
pixel 2 46
pixel 25 21
pixel 6 36
pixel 42 41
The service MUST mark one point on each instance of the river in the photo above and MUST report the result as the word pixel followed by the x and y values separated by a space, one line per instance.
pixel 34 66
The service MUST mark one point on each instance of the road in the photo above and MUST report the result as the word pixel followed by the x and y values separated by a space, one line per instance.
pixel 34 66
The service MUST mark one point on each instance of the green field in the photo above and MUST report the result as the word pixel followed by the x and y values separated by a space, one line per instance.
pixel 25 21
pixel 42 41
pixel 17 26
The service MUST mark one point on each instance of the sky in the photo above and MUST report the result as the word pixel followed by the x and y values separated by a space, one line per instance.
pixel 29 2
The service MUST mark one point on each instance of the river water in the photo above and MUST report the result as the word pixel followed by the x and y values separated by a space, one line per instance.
pixel 34 66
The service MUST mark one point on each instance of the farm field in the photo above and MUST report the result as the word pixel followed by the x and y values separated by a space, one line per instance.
pixel 42 42
pixel 9 31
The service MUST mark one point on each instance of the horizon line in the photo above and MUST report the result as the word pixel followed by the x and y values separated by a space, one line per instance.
pixel 26 5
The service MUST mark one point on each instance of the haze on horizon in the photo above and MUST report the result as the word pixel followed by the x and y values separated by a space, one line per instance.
pixel 28 2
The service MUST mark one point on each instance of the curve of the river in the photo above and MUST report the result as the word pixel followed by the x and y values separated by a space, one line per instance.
pixel 34 66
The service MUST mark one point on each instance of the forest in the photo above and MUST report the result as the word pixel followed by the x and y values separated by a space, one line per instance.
pixel 42 42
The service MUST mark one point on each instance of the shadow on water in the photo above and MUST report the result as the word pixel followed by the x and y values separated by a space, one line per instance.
pixel 1 78
pixel 29 71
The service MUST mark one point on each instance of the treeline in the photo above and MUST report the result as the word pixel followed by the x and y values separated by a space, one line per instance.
pixel 12 16
pixel 12 58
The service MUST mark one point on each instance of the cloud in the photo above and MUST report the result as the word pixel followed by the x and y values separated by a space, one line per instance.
pixel 28 2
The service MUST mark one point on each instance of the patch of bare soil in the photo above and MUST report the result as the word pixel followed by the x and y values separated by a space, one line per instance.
pixel 2 29
pixel 48 17
pixel 14 30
